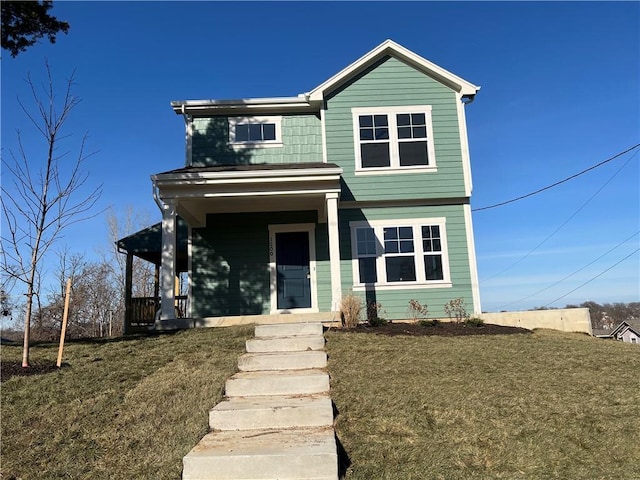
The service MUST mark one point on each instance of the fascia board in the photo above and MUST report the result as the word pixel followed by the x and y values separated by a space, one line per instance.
pixel 302 174
pixel 203 107
pixel 389 47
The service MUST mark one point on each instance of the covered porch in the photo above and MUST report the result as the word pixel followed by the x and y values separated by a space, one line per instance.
pixel 262 240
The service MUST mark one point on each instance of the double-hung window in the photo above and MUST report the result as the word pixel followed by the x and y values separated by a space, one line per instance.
pixel 393 138
pixel 400 253
pixel 255 132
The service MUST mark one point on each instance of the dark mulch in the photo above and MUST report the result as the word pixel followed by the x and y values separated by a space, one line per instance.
pixel 444 329
pixel 14 369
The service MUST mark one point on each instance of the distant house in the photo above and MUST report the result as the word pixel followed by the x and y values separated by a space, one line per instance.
pixel 624 332
pixel 362 184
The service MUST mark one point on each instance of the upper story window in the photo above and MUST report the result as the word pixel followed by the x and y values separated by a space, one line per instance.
pixel 400 253
pixel 393 139
pixel 255 132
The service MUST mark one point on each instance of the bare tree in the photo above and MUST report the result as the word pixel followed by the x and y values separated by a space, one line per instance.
pixel 46 192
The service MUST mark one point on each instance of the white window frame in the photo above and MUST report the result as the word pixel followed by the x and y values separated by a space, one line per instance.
pixel 394 152
pixel 418 254
pixel 234 121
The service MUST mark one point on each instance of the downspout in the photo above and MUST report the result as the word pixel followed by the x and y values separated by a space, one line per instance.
pixel 188 135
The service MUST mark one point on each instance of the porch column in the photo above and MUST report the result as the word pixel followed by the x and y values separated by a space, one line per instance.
pixel 334 250
pixel 168 261
pixel 128 287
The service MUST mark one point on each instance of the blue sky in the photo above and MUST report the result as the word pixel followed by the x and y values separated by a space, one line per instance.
pixel 560 92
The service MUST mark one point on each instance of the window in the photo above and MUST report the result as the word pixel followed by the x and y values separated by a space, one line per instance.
pixel 393 138
pixel 402 253
pixel 255 132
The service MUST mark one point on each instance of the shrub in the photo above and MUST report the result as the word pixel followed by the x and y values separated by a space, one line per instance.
pixel 474 322
pixel 375 314
pixel 350 310
pixel 455 309
pixel 416 311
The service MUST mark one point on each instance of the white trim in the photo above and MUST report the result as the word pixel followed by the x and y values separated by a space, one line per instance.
pixel 310 228
pixel 323 130
pixel 189 271
pixel 464 147
pixel 417 255
pixel 275 119
pixel 394 141
pixel 168 261
pixel 189 140
pixel 473 266
pixel 389 47
pixel 334 250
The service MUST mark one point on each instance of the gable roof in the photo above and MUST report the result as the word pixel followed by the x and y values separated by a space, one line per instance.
pixel 392 49
pixel 312 101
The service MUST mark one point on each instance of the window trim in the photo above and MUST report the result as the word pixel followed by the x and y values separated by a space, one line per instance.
pixel 394 154
pixel 418 254
pixel 275 119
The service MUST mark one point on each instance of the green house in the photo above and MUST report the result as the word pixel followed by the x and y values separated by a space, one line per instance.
pixel 361 185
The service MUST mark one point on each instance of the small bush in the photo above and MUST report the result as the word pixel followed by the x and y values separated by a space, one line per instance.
pixel 416 311
pixel 474 322
pixel 350 310
pixel 430 323
pixel 376 314
pixel 456 310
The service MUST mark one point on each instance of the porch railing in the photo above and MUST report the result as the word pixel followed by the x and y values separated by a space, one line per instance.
pixel 144 310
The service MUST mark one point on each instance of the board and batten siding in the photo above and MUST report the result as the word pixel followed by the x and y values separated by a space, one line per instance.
pixel 301 138
pixel 393 83
pixel 395 302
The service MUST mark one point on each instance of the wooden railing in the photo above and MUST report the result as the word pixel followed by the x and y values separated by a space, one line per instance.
pixel 144 310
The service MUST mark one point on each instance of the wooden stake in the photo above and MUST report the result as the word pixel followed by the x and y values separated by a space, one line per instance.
pixel 64 322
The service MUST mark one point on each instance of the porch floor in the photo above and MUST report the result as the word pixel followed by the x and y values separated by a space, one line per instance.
pixel 327 319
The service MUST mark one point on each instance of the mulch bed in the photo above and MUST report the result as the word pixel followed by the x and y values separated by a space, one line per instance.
pixel 443 329
pixel 14 369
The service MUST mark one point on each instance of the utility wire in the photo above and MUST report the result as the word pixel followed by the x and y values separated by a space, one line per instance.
pixel 571 274
pixel 592 279
pixel 567 220
pixel 557 183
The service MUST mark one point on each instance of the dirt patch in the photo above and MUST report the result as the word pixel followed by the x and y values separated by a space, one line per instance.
pixel 443 329
pixel 14 369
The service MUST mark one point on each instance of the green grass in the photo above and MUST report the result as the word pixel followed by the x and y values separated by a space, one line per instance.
pixel 546 405
pixel 129 408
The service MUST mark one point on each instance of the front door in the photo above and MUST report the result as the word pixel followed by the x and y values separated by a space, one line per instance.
pixel 293 279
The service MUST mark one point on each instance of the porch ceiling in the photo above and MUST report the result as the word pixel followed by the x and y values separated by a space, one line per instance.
pixel 198 191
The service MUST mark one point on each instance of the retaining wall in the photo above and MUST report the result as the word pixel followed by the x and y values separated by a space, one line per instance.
pixel 564 319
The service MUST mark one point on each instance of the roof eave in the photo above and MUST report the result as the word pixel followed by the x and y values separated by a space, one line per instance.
pixel 390 48
pixel 254 105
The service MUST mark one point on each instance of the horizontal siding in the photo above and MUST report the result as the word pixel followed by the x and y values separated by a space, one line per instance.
pixel 395 302
pixel 231 262
pixel 393 83
pixel 301 138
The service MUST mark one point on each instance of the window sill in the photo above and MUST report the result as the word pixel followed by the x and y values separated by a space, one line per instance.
pixel 247 145
pixel 389 170
pixel 401 286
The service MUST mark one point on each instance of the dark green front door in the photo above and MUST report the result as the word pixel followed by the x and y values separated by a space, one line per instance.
pixel 292 269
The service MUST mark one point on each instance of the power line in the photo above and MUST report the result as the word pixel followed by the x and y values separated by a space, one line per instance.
pixel 557 183
pixel 592 279
pixel 571 274
pixel 567 220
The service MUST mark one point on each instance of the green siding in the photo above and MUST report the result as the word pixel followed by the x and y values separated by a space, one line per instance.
pixel 301 137
pixel 395 301
pixel 393 83
pixel 231 262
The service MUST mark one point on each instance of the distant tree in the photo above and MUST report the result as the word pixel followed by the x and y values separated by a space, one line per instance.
pixel 26 22
pixel 43 192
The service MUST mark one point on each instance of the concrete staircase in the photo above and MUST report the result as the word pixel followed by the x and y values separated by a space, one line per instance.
pixel 276 421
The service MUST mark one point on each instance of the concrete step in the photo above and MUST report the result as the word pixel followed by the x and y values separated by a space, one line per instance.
pixel 251 362
pixel 288 329
pixel 298 343
pixel 264 454
pixel 252 413
pixel 292 382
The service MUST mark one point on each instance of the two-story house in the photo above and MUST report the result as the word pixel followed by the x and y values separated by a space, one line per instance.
pixel 362 184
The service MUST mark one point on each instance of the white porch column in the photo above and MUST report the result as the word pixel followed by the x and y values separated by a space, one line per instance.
pixel 168 261
pixel 334 250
